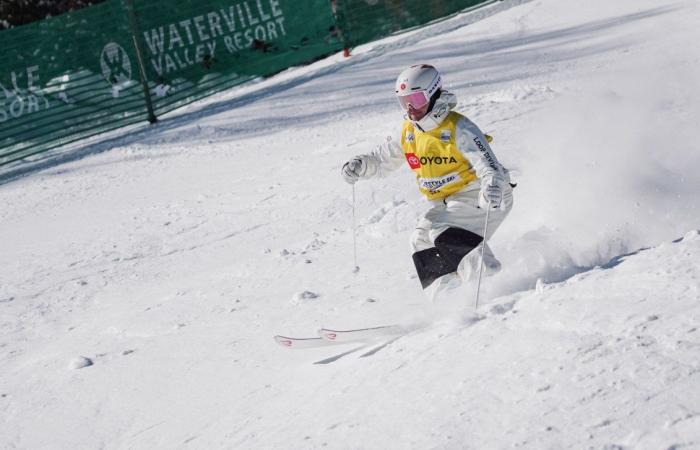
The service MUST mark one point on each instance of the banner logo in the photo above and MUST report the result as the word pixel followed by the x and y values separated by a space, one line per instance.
pixel 115 64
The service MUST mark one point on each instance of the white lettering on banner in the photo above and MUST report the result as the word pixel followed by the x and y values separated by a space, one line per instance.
pixel 215 24
pixel 275 5
pixel 32 76
pixel 171 62
pixel 201 30
pixel 230 20
pixel 264 17
pixel 186 25
pixel 175 37
pixel 265 32
pixel 192 41
pixel 240 15
pixel 24 95
pixel 251 20
pixel 18 105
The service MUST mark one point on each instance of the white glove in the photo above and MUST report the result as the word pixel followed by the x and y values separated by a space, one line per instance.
pixel 353 170
pixel 491 194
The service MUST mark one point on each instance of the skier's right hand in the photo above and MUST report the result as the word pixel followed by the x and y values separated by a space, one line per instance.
pixel 353 170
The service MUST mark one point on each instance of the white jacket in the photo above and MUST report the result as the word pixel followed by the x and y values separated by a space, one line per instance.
pixel 471 142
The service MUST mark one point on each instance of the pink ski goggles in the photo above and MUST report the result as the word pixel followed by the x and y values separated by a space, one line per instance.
pixel 415 99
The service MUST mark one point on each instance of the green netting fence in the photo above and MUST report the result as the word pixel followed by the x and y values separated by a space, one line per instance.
pixel 127 61
pixel 363 21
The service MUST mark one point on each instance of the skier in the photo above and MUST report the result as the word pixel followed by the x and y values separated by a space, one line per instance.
pixel 457 172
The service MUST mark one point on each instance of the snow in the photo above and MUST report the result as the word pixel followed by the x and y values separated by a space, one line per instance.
pixel 170 256
pixel 80 362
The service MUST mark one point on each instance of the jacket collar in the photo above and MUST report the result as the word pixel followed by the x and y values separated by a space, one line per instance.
pixel 443 105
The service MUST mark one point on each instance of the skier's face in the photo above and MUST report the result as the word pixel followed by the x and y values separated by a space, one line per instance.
pixel 416 104
pixel 417 113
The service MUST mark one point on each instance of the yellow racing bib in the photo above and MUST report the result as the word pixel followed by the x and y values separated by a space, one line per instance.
pixel 440 168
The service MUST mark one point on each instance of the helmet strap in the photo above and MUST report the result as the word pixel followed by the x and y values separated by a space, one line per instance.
pixel 433 99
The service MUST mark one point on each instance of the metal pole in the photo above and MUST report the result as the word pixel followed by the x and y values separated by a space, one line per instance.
pixel 133 25
pixel 354 234
pixel 339 29
pixel 483 248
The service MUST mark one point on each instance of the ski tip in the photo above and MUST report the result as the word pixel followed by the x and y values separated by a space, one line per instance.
pixel 328 335
pixel 300 343
pixel 284 341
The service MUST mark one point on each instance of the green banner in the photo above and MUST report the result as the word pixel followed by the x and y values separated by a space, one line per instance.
pixel 79 74
pixel 126 61
pixel 366 20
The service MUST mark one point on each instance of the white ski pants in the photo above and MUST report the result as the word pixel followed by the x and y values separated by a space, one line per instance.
pixel 458 219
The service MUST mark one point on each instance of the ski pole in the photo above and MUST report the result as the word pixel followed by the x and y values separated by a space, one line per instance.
pixel 354 234
pixel 481 265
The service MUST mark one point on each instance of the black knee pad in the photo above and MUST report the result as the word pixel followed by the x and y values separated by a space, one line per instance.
pixel 454 244
pixel 430 265
pixel 450 247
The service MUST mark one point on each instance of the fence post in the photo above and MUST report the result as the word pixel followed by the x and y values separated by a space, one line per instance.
pixel 341 34
pixel 135 34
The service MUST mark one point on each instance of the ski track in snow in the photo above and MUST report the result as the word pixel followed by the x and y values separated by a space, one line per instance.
pixel 143 277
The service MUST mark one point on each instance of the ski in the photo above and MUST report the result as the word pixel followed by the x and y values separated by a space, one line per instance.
pixel 328 337
pixel 360 334
pixel 302 343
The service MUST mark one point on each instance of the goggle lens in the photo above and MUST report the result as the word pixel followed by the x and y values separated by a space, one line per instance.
pixel 416 99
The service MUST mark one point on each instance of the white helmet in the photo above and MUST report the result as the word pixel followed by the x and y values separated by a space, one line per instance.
pixel 416 85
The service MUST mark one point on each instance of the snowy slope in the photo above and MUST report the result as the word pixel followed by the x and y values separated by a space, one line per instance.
pixel 169 257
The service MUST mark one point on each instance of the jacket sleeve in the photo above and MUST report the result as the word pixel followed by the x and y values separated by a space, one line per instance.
pixel 475 148
pixel 385 158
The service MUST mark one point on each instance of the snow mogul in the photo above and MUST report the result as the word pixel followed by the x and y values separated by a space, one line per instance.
pixel 455 169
